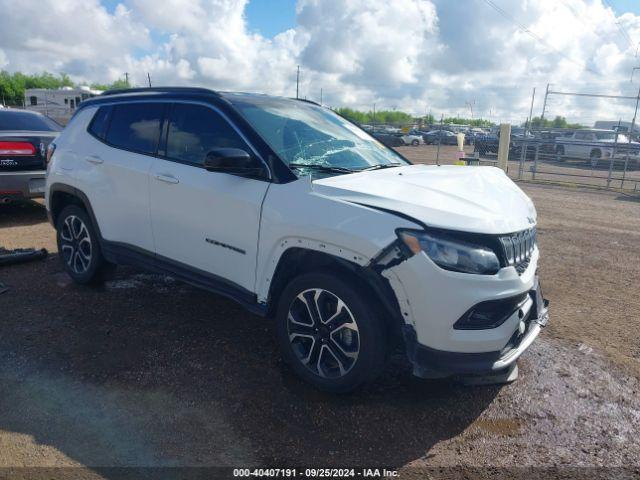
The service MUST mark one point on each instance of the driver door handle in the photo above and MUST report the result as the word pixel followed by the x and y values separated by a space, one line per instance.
pixel 167 178
pixel 96 160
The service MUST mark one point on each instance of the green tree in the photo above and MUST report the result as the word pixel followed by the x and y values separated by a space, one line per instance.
pixel 392 117
pixel 474 122
pixel 13 85
pixel 557 122
pixel 118 84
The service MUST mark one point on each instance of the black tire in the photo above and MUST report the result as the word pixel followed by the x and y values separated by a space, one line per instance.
pixel 415 143
pixel 78 246
pixel 594 157
pixel 560 153
pixel 322 369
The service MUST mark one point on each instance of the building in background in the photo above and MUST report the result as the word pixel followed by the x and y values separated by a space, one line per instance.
pixel 57 104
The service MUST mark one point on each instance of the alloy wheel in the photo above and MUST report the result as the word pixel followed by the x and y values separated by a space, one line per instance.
pixel 323 333
pixel 75 244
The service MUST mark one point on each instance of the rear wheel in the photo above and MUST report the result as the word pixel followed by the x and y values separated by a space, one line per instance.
pixel 560 152
pixel 329 333
pixel 415 143
pixel 594 157
pixel 78 245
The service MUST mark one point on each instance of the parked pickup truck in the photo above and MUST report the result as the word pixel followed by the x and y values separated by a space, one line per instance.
pixel 593 145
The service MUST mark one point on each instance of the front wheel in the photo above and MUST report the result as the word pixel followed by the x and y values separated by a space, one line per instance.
pixel 329 332
pixel 415 143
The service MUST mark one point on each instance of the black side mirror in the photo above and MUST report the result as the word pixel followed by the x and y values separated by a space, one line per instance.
pixel 234 161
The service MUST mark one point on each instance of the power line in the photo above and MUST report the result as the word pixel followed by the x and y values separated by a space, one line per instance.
pixel 533 35
pixel 623 30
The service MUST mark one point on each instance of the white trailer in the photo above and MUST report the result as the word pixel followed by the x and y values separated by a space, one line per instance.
pixel 57 104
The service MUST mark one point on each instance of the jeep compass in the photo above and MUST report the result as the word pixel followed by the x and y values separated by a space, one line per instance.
pixel 302 217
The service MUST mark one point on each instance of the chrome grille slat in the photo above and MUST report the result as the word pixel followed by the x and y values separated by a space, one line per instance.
pixel 518 248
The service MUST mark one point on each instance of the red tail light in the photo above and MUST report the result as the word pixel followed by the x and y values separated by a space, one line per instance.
pixel 17 148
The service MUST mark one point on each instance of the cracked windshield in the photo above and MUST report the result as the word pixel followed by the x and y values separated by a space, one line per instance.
pixel 313 140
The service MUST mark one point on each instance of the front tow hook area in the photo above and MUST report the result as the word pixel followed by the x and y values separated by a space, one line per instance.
pixel 508 375
pixel 543 315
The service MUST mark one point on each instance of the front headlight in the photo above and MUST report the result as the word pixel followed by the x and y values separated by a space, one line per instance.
pixel 451 254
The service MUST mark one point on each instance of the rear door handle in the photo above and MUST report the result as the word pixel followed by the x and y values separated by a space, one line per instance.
pixel 167 178
pixel 96 160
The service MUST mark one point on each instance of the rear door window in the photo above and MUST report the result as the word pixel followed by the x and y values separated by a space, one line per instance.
pixel 195 130
pixel 136 127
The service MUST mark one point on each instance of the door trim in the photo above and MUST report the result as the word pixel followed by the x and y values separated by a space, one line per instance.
pixel 125 254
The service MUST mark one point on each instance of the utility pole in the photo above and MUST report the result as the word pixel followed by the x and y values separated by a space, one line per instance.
pixel 635 116
pixel 470 105
pixel 533 96
pixel 298 82
pixel 126 78
pixel 149 78
pixel 320 96
pixel 374 114
pixel 544 105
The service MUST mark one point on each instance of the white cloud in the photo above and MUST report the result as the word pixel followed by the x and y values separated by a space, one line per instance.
pixel 78 37
pixel 417 55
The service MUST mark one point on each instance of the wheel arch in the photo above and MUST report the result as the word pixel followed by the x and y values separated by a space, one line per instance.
pixel 61 195
pixel 297 260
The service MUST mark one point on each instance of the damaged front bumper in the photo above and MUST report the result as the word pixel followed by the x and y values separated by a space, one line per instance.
pixel 431 363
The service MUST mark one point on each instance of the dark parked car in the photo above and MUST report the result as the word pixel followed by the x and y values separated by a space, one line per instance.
pixel 24 138
pixel 388 139
pixel 489 143
pixel 443 137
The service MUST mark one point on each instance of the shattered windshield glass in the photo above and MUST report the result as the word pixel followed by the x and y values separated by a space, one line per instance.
pixel 309 137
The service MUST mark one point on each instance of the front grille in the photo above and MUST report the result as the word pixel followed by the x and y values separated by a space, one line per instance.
pixel 518 247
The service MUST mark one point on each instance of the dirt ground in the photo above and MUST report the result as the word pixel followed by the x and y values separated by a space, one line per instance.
pixel 146 371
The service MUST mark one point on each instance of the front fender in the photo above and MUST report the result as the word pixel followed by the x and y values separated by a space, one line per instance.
pixel 314 221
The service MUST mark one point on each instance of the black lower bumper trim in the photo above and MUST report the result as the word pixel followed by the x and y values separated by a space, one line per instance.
pixel 442 363
pixel 429 362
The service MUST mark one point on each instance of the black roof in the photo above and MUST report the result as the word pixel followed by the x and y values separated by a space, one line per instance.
pixel 145 93
pixel 184 92
pixel 122 91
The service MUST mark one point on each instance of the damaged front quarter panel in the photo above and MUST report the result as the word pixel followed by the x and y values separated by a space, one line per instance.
pixel 385 263
pixel 390 256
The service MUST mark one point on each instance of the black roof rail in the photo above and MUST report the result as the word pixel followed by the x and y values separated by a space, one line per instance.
pixel 308 101
pixel 119 91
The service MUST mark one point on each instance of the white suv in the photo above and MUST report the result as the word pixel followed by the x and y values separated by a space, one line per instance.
pixel 299 215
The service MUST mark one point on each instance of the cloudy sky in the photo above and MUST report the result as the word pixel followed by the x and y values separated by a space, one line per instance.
pixel 438 56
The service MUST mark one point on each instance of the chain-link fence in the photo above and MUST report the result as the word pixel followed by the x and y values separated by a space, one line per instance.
pixel 595 157
pixel 600 149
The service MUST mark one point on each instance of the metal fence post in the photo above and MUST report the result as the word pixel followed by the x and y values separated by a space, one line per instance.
pixel 523 155
pixel 439 141
pixel 535 162
pixel 503 146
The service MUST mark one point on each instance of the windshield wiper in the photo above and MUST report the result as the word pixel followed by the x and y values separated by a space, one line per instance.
pixel 379 167
pixel 322 168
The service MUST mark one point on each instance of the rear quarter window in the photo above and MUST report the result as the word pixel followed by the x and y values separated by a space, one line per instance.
pixel 135 127
pixel 100 122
